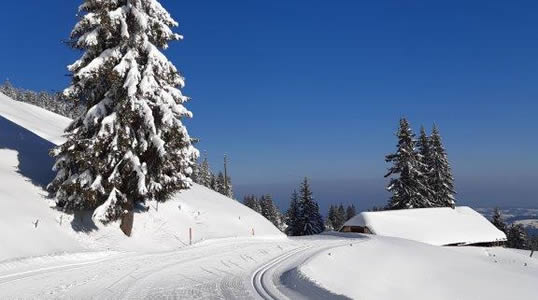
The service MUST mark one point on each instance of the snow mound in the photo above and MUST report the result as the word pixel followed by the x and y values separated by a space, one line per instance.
pixel 29 227
pixel 436 226
pixel 198 213
pixel 46 124
pixel 392 268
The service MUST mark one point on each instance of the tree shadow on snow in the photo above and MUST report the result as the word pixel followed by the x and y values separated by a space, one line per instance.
pixel 33 152
pixel 35 164
pixel 82 222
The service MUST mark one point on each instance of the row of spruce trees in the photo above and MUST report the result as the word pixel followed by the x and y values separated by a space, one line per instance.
pixel 265 206
pixel 220 183
pixel 420 173
pixel 338 215
pixel 47 100
pixel 302 217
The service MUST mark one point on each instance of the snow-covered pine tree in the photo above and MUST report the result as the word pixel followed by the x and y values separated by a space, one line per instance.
pixel 252 202
pixel 351 211
pixel 130 145
pixel 213 182
pixel 497 220
pixel 332 217
pixel 406 188
pixel 270 211
pixel 310 217
pixel 516 237
pixel 328 225
pixel 440 179
pixel 340 217
pixel 7 89
pixel 293 216
pixel 425 156
pixel 220 184
pixel 195 176
pixel 228 188
pixel 204 176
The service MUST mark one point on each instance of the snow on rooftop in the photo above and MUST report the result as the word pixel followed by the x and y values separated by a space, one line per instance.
pixel 436 226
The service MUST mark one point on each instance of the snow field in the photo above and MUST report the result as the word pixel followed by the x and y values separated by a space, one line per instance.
pixel 392 268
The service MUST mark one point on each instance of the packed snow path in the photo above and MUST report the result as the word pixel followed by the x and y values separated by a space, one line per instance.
pixel 218 269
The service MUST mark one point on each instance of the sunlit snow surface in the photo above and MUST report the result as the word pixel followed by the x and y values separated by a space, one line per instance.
pixel 236 253
pixel 392 268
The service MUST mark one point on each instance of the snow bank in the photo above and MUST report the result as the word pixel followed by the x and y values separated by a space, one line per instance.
pixel 24 204
pixel 436 226
pixel 392 268
pixel 168 226
pixel 44 123
pixel 27 133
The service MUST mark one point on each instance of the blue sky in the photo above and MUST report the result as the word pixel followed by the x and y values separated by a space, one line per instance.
pixel 315 88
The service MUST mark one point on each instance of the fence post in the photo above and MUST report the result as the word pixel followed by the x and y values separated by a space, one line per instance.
pixel 253 233
pixel 190 235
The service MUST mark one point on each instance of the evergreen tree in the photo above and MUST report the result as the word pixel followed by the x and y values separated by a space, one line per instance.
pixel 228 188
pixel 252 202
pixel 310 217
pixel 426 169
pixel 195 176
pixel 332 217
pixel 204 176
pixel 498 220
pixel 220 184
pixel 270 211
pixel 8 90
pixel 516 237
pixel 440 178
pixel 213 182
pixel 407 188
pixel 350 212
pixel 293 216
pixel 340 217
pixel 329 225
pixel 130 145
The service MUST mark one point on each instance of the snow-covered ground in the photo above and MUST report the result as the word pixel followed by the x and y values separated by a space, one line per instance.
pixel 29 227
pixel 236 253
pixel 392 268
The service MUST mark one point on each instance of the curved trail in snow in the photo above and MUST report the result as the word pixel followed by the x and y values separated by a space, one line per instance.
pixel 221 269
pixel 281 278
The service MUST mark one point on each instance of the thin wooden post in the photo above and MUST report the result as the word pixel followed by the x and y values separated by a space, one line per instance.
pixel 253 233
pixel 190 235
pixel 226 175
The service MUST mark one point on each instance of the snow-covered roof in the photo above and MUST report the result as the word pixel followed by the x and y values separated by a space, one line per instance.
pixel 436 226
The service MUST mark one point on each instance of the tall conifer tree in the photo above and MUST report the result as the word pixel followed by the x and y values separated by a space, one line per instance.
pixel 440 179
pixel 130 145
pixel 293 216
pixel 408 186
pixel 351 211
pixel 425 156
pixel 310 217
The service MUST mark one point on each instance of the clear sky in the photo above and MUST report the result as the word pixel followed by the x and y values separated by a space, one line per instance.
pixel 315 88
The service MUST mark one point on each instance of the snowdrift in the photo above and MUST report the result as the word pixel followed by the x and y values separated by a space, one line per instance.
pixel 392 268
pixel 29 227
pixel 436 226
